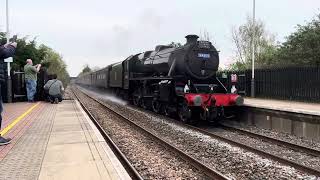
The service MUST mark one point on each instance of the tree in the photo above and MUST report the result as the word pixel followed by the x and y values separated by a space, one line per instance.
pixel 302 48
pixel 243 37
pixel 25 50
pixel 53 61
pixel 39 54
pixel 206 36
pixel 237 66
pixel 86 69
pixel 174 44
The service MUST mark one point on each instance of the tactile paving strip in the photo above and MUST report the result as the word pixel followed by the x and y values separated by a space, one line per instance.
pixel 25 158
pixel 12 111
pixel 19 129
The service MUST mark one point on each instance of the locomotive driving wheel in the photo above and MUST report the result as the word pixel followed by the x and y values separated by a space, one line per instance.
pixel 209 115
pixel 185 113
pixel 136 100
pixel 212 116
pixel 166 110
pixel 156 106
pixel 143 103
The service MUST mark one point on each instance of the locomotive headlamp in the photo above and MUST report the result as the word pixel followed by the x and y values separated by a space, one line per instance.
pixel 236 99
pixel 239 101
pixel 197 101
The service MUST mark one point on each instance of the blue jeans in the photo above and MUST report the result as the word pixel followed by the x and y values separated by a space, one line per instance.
pixel 31 86
pixel 52 97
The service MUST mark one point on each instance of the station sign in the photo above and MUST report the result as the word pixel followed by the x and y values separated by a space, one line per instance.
pixel 9 59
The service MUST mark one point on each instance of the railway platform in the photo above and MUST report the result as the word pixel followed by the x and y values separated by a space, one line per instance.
pixel 282 105
pixel 296 118
pixel 54 141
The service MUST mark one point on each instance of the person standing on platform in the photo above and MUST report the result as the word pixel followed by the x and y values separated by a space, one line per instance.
pixel 30 74
pixel 54 87
pixel 6 51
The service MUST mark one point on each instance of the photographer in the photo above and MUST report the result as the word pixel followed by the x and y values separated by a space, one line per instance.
pixel 55 89
pixel 6 51
pixel 30 74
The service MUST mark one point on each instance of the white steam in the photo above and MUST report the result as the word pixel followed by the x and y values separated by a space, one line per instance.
pixel 100 94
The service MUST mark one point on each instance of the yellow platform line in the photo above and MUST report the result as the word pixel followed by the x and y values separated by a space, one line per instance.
pixel 5 130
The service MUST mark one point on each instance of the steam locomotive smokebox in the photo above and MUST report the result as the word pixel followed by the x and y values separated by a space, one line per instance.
pixel 201 60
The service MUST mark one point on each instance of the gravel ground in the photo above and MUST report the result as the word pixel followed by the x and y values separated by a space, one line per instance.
pixel 68 94
pixel 281 151
pixel 301 141
pixel 151 159
pixel 229 160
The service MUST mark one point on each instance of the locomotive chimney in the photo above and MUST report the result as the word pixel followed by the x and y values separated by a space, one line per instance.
pixel 191 38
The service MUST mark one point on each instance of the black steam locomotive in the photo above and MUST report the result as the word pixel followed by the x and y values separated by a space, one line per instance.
pixel 170 80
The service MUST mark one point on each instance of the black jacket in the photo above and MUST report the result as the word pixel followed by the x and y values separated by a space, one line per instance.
pixel 5 52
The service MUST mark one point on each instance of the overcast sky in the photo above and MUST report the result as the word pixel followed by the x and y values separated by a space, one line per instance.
pixel 99 32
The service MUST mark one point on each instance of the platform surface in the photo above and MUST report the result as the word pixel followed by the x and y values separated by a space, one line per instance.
pixel 54 141
pixel 289 106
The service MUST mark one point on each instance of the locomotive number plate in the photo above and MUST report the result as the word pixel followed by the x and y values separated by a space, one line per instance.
pixel 203 55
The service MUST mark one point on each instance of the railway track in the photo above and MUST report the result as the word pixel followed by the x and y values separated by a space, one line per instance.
pixel 233 142
pixel 212 173
pixel 280 159
pixel 293 146
pixel 265 154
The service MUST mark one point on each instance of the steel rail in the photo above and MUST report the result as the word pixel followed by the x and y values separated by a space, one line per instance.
pixel 282 160
pixel 310 151
pixel 133 173
pixel 214 174
pixel 279 159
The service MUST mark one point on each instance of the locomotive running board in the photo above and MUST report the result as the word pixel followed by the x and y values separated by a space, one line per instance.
pixel 152 78
pixel 229 117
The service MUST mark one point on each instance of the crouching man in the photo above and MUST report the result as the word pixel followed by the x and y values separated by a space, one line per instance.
pixel 54 87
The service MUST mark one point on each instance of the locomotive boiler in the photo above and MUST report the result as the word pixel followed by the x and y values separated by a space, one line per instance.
pixel 196 60
pixel 171 80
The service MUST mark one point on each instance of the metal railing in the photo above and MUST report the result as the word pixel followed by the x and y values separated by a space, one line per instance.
pixel 291 83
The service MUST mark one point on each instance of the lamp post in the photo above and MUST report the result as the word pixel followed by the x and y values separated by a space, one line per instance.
pixel 252 49
pixel 7 21
pixel 9 84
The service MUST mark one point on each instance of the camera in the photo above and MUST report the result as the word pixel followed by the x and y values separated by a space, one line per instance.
pixel 13 39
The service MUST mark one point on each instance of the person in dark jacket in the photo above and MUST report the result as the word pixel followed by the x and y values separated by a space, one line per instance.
pixel 6 51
